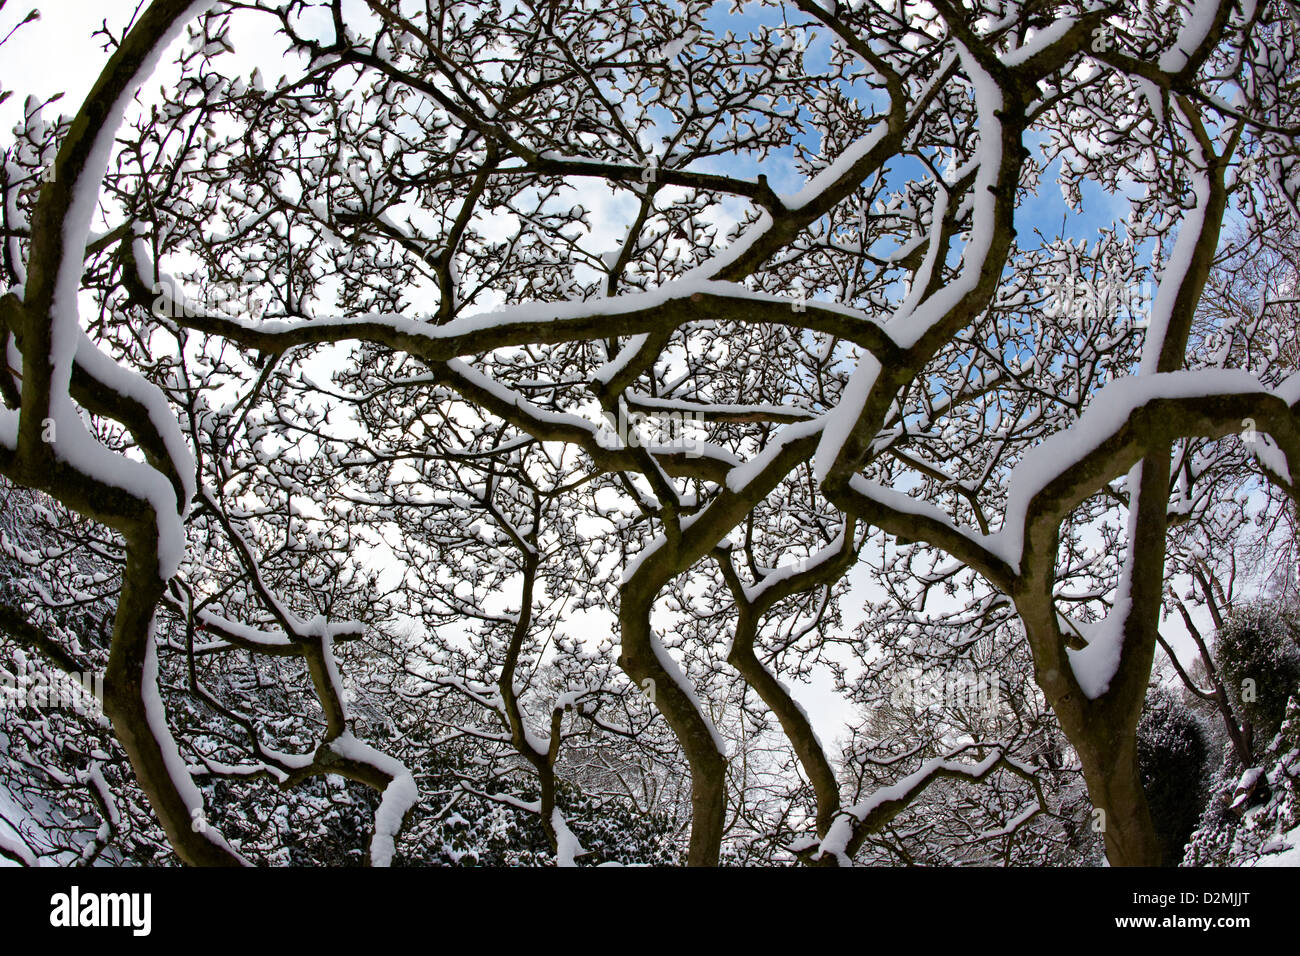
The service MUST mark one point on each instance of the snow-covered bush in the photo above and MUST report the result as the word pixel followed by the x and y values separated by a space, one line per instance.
pixel 1260 660
pixel 1253 817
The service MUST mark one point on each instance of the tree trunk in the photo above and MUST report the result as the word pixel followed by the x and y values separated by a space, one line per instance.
pixel 708 763
pixel 1115 788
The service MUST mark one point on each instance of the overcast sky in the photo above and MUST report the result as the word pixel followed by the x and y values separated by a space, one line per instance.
pixel 56 52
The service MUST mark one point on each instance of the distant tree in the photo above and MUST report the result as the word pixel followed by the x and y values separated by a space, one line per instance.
pixel 1260 659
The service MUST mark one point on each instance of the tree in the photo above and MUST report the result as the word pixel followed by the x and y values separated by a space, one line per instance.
pixel 1257 652
pixel 401 337
pixel 920 702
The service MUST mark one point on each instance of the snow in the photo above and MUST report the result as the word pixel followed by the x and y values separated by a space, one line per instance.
pixel 1109 409
pixel 903 503
pixel 76 446
pixel 674 48
pixel 822 556
pixel 1197 24
pixel 1153 96
pixel 840 422
pixel 1249 778
pixel 1174 272
pixel 1039 41
pixel 710 408
pixel 510 397
pixel 836 841
pixel 908 327
pixel 9 421
pixel 73 443
pixel 244 632
pixel 399 796
pixel 606 372
pixel 331 662
pixel 1012 825
pixel 567 845
pixel 1289 390
pixel 922 279
pixel 841 167
pixel 1095 666
pixel 10 841
pixel 675 674
pixel 105 370
pixel 634 563
pixel 738 478
pixel 1286 852
pixel 156 717
pixel 708 270
pixel 570 700
pixel 469 328
pixel 1271 457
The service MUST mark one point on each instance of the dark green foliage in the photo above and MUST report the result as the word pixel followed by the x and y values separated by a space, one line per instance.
pixel 481 832
pixel 1172 756
pixel 1260 663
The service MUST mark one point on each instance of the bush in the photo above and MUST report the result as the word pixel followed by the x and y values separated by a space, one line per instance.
pixel 1242 837
pixel 1260 664
pixel 1171 756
